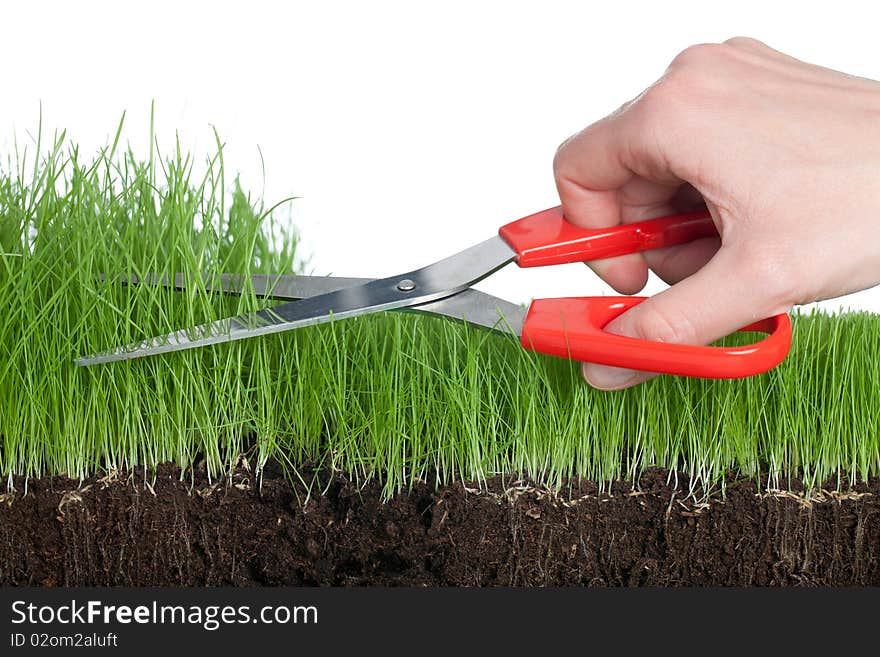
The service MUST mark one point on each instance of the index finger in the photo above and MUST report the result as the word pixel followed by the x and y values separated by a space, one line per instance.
pixel 594 168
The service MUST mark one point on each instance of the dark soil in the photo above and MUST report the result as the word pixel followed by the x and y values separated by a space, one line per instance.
pixel 128 530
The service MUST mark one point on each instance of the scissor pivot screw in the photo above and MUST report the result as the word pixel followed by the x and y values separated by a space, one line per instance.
pixel 406 285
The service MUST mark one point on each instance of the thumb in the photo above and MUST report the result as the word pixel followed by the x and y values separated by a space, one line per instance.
pixel 716 301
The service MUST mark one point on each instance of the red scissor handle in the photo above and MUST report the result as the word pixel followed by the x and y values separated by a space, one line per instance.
pixel 546 238
pixel 574 327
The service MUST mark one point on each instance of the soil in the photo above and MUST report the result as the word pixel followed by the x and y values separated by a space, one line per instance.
pixel 165 529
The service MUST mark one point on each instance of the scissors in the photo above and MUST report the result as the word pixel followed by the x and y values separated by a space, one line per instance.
pixel 570 327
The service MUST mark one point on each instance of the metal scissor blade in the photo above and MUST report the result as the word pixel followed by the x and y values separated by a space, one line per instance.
pixel 471 305
pixel 286 287
pixel 441 279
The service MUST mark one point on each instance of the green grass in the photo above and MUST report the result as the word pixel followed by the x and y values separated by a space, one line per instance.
pixel 399 397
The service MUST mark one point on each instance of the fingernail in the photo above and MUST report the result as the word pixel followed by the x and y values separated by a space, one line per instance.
pixel 605 377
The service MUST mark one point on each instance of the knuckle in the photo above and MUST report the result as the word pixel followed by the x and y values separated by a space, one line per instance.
pixel 569 152
pixel 660 93
pixel 561 157
pixel 696 79
pixel 744 42
pixel 703 68
pixel 698 57
pixel 659 104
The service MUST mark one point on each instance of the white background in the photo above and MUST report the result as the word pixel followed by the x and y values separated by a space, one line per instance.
pixel 410 130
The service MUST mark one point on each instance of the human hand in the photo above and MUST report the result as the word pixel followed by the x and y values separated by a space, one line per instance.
pixel 785 155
